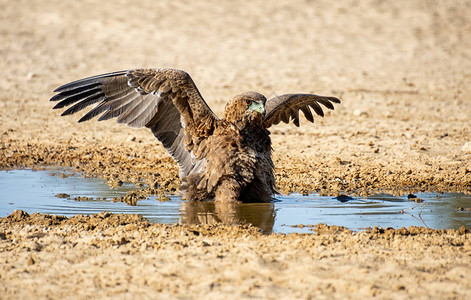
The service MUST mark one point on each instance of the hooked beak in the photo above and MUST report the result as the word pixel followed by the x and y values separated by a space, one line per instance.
pixel 258 107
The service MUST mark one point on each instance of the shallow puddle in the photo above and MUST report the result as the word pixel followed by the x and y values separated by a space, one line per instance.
pixel 41 191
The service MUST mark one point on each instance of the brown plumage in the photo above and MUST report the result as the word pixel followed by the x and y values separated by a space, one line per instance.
pixel 226 160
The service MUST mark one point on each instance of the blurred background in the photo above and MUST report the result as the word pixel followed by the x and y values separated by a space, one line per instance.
pixel 229 46
pixel 402 69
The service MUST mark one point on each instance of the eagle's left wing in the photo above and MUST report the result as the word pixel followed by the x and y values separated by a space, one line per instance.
pixel 286 107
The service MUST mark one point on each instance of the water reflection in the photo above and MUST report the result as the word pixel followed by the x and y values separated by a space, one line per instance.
pixel 36 192
pixel 261 215
pixel 438 210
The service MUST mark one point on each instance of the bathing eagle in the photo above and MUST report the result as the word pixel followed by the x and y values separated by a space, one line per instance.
pixel 225 160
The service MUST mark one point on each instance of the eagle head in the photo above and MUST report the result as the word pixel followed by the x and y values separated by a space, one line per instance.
pixel 249 106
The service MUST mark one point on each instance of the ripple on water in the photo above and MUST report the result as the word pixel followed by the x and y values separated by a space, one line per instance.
pixel 53 192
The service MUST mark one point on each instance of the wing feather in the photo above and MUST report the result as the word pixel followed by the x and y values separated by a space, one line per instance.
pixel 139 112
pixel 307 113
pixel 119 107
pixel 164 100
pixel 101 107
pixel 317 108
pixel 144 114
pixel 74 95
pixel 286 107
pixel 96 97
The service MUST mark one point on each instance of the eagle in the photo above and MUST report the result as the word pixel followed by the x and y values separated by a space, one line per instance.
pixel 226 160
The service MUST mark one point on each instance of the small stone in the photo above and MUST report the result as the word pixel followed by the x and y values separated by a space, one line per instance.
pixel 62 195
pixel 360 113
pixel 466 147
pixel 163 198
pixel 400 287
pixel 30 261
pixel 31 75
pixel 344 198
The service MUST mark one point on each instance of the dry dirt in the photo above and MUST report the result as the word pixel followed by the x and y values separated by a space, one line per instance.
pixel 124 256
pixel 403 72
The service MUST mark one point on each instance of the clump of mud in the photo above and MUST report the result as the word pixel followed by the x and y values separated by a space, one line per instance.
pixel 107 220
pixel 132 197
pixel 110 220
pixel 103 219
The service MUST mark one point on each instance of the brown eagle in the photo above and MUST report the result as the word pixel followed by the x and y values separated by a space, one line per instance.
pixel 226 160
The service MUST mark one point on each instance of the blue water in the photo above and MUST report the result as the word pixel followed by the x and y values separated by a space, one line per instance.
pixel 35 191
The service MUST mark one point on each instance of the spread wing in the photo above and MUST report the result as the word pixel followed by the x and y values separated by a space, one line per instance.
pixel 286 107
pixel 166 101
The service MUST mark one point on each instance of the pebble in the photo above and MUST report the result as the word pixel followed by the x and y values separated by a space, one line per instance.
pixel 30 261
pixel 62 195
pixel 359 113
pixel 31 75
pixel 466 147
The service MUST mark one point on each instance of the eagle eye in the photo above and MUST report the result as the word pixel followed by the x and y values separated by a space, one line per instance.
pixel 249 102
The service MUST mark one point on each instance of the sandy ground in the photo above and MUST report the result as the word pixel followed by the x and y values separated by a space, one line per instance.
pixel 403 72
pixel 123 256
